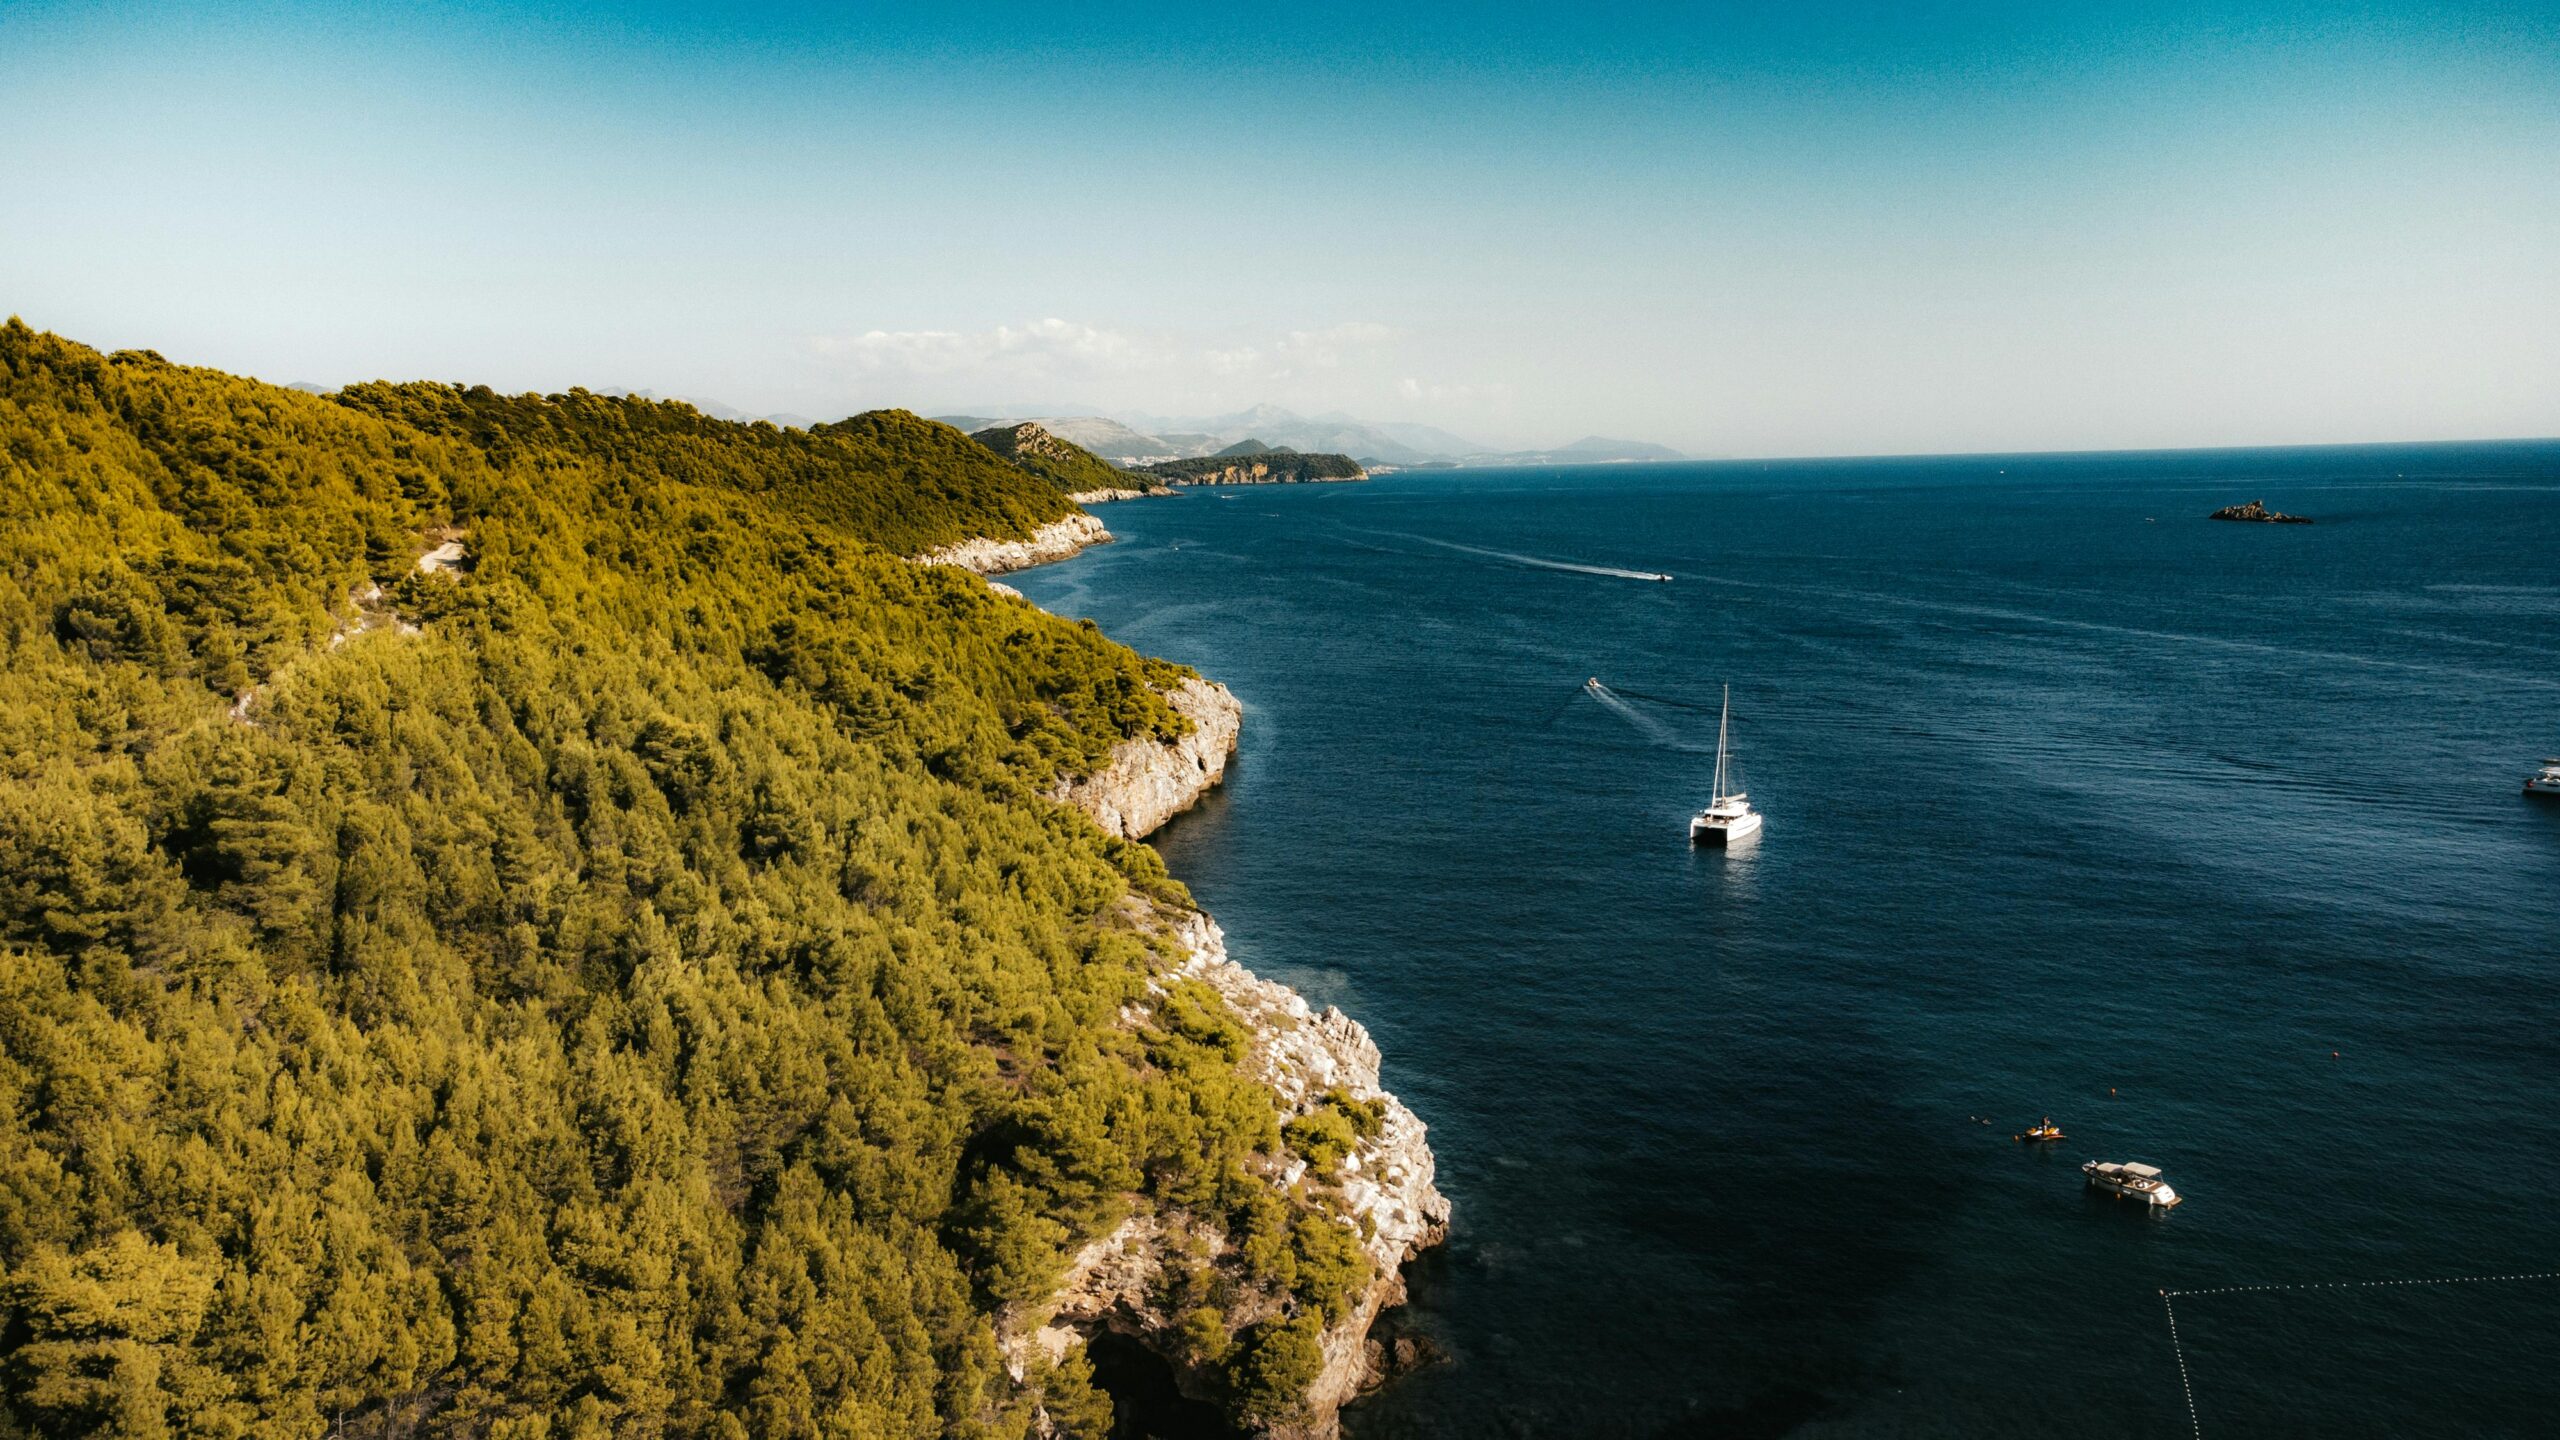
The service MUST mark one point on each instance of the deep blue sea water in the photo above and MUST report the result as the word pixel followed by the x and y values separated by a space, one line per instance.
pixel 2205 839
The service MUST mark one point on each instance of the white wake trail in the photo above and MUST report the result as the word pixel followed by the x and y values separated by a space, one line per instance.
pixel 1537 561
pixel 1646 725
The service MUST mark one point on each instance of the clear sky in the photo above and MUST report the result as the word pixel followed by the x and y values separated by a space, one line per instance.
pixel 1738 229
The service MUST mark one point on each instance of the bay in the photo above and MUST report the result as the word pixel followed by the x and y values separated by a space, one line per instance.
pixel 2204 838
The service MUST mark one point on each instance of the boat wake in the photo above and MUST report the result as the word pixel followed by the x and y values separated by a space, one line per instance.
pixel 1535 562
pixel 1645 725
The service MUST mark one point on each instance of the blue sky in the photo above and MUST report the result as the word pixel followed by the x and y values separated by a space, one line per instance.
pixel 1754 230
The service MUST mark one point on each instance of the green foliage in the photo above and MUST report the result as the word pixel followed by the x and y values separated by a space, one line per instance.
pixel 1063 463
pixel 1277 1359
pixel 650 997
pixel 1323 1136
pixel 1265 466
pixel 1334 1128
pixel 1077 1410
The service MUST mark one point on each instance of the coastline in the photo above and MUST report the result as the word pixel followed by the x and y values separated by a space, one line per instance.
pixel 1057 540
pixel 1100 497
pixel 1385 1190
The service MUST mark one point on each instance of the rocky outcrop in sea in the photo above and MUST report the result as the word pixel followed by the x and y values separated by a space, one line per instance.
pixel 2257 510
pixel 1054 541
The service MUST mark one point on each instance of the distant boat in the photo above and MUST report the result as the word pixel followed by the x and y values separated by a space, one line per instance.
pixel 2042 1131
pixel 1727 818
pixel 2546 783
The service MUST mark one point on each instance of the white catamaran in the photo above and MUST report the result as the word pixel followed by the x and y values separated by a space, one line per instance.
pixel 1728 819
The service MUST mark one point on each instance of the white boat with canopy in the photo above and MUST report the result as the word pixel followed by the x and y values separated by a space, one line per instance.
pixel 2140 1182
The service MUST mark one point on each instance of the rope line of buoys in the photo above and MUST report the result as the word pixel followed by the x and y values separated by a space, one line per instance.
pixel 2195 1426
pixel 2366 1284
pixel 2177 1346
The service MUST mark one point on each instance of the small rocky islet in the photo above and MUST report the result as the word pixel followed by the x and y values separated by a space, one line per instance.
pixel 2257 510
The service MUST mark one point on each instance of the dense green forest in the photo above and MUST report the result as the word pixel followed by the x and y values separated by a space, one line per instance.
pixel 625 983
pixel 1063 463
pixel 1279 466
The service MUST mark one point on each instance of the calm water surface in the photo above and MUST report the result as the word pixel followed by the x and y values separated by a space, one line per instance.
pixel 2204 838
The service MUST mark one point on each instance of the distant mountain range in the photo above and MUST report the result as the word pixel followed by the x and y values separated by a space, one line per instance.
pixel 1144 439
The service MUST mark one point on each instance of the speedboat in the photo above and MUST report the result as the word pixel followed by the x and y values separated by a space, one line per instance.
pixel 2546 782
pixel 1728 818
pixel 2043 1130
pixel 2139 1182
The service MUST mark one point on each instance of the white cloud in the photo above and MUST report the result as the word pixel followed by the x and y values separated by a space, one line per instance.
pixel 1041 349
pixel 1410 388
pixel 1327 348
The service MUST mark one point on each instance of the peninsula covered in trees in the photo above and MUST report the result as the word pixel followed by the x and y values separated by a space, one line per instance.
pixel 1250 462
pixel 623 976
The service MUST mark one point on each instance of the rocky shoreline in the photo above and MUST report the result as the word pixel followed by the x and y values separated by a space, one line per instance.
pixel 1054 541
pixel 1145 783
pixel 1098 497
pixel 1383 1190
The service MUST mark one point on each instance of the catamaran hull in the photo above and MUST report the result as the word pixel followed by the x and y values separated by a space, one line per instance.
pixel 1722 836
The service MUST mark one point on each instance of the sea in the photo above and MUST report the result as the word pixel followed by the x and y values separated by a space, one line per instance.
pixel 2206 840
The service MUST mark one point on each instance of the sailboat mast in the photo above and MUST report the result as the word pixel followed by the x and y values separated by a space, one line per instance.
pixel 1723 721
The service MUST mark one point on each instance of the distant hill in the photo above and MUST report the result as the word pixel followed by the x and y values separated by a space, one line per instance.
pixel 1264 467
pixel 1330 434
pixel 1245 447
pixel 1594 447
pixel 1143 439
pixel 1062 463
pixel 1108 439
pixel 716 410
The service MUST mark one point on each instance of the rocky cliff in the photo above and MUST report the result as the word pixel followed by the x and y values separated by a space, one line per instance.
pixel 1381 1190
pixel 1097 497
pixel 1146 783
pixel 1054 541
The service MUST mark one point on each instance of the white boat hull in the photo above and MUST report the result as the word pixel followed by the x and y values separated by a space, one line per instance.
pixel 2148 1188
pixel 1703 831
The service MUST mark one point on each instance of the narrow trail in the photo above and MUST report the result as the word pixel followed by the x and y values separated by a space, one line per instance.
pixel 369 611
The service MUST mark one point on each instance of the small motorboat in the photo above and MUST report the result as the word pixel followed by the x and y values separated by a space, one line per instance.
pixel 2042 1131
pixel 2545 782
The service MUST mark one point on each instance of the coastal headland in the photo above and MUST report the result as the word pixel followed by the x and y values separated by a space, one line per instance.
pixel 540 917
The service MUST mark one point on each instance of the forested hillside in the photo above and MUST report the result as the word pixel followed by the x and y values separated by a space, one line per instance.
pixel 626 982
pixel 1258 467
pixel 1070 467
